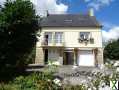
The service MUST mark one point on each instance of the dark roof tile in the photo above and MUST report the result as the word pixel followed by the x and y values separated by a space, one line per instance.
pixel 69 20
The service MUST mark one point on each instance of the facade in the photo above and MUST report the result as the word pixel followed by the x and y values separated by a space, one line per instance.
pixel 70 39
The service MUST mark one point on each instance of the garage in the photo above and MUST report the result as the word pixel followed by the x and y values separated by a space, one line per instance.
pixel 86 58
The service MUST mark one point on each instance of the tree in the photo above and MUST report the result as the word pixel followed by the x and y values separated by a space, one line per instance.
pixel 111 51
pixel 18 26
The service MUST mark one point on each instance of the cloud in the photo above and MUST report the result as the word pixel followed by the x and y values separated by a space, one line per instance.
pixel 42 6
pixel 112 34
pixel 108 25
pixel 97 4
pixel 2 2
pixel 49 5
pixel 87 0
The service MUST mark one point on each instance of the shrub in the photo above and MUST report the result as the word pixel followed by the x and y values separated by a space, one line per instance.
pixel 8 87
pixel 106 79
pixel 77 87
pixel 46 81
pixel 25 83
pixel 35 81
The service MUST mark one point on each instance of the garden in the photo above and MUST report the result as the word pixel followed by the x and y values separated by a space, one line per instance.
pixel 47 81
pixel 18 36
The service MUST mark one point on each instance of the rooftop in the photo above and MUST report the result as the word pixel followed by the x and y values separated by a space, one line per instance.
pixel 69 20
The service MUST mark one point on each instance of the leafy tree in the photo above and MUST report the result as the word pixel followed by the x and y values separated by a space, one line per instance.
pixel 18 26
pixel 111 51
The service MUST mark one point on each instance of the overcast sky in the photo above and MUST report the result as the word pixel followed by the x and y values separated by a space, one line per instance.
pixel 106 11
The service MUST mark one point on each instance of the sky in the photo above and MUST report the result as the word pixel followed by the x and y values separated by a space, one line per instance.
pixel 106 12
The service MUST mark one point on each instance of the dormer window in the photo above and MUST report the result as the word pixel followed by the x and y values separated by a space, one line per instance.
pixel 68 21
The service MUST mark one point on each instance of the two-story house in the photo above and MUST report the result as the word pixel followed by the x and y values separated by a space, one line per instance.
pixel 70 39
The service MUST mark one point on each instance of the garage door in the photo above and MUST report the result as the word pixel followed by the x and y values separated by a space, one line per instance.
pixel 85 58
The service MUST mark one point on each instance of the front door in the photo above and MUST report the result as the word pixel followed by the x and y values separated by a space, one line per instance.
pixel 86 58
pixel 69 58
pixel 46 56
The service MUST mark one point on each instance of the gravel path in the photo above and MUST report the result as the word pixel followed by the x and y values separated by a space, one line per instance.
pixel 77 75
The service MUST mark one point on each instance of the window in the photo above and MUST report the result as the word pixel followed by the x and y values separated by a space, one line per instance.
pixel 68 21
pixel 48 37
pixel 84 35
pixel 58 37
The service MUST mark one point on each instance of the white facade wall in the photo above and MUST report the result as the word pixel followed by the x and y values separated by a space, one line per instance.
pixel 71 36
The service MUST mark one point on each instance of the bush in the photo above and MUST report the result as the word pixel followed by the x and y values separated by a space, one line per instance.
pixel 77 87
pixel 8 87
pixel 37 81
pixel 46 81
pixel 25 83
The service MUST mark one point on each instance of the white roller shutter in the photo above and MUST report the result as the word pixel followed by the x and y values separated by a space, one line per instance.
pixel 86 58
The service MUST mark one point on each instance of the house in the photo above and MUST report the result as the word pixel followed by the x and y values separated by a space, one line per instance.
pixel 70 39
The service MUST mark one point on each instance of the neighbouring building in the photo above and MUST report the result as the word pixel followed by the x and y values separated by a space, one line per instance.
pixel 70 39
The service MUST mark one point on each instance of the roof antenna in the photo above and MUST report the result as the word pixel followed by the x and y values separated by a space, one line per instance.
pixel 47 13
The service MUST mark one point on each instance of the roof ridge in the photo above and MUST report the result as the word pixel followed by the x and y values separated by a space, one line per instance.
pixel 69 14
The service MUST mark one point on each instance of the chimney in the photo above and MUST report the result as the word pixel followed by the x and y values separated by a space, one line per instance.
pixel 47 12
pixel 91 12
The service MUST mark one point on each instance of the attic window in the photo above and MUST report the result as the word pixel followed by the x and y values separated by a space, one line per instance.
pixel 68 20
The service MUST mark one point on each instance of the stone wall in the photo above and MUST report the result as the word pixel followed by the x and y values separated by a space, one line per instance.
pixel 100 56
pixel 39 59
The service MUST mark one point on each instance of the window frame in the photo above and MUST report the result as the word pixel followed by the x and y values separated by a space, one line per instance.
pixel 49 39
pixel 58 37
pixel 86 35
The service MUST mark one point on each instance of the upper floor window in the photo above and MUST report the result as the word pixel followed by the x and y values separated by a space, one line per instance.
pixel 58 37
pixel 48 37
pixel 84 35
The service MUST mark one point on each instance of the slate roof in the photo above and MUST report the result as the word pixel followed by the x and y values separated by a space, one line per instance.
pixel 69 20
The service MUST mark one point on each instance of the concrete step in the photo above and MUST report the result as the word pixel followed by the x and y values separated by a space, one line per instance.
pixel 34 67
